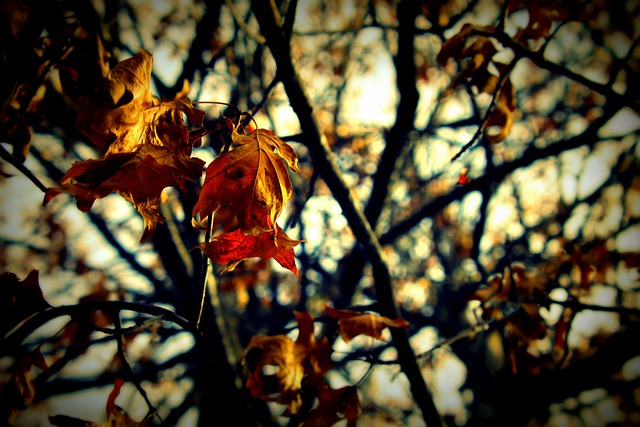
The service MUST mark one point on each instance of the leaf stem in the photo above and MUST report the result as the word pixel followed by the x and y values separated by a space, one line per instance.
pixel 204 271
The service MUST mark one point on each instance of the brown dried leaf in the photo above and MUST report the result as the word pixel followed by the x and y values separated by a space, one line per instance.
pixel 354 323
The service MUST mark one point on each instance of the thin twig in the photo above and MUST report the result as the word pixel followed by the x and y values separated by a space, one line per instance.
pixel 11 342
pixel 151 410
pixel 467 333
pixel 538 58
pixel 494 102
pixel 578 306
pixel 532 154
pixel 5 155
pixel 265 95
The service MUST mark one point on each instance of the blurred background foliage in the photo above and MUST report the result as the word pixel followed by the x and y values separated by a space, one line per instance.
pixel 516 263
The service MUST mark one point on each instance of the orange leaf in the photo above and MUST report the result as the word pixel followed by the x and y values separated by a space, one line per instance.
pixel 231 248
pixel 499 123
pixel 138 177
pixel 354 323
pixel 455 46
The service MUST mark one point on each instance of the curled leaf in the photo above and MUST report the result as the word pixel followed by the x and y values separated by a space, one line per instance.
pixel 277 364
pixel 353 323
pixel 149 143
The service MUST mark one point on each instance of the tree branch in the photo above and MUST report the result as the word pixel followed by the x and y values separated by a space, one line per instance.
pixel 11 342
pixel 539 59
pixel 532 154
pixel 8 157
pixel 325 162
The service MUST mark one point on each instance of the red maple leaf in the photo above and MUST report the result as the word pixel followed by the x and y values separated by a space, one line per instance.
pixel 252 180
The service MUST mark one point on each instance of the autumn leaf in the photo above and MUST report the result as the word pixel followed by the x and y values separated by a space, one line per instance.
pixel 249 185
pixel 234 247
pixel 149 143
pixel 318 360
pixel 19 299
pixel 514 284
pixel 18 393
pixel 333 406
pixel 353 323
pixel 251 179
pixel 502 116
pixel 457 46
pixel 280 355
pixel 111 400
pixel 116 416
pixel 277 364
pixel 139 177
pixel 515 288
pixel 542 17
pixel 475 55
pixel 117 104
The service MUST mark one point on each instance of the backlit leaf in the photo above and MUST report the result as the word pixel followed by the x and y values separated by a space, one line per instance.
pixel 231 248
pixel 277 364
pixel 251 179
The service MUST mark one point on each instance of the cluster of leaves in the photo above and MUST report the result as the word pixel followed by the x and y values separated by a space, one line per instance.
pixel 149 146
pixel 482 72
pixel 149 149
pixel 252 184
pixel 515 298
pixel 474 48
pixel 288 372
